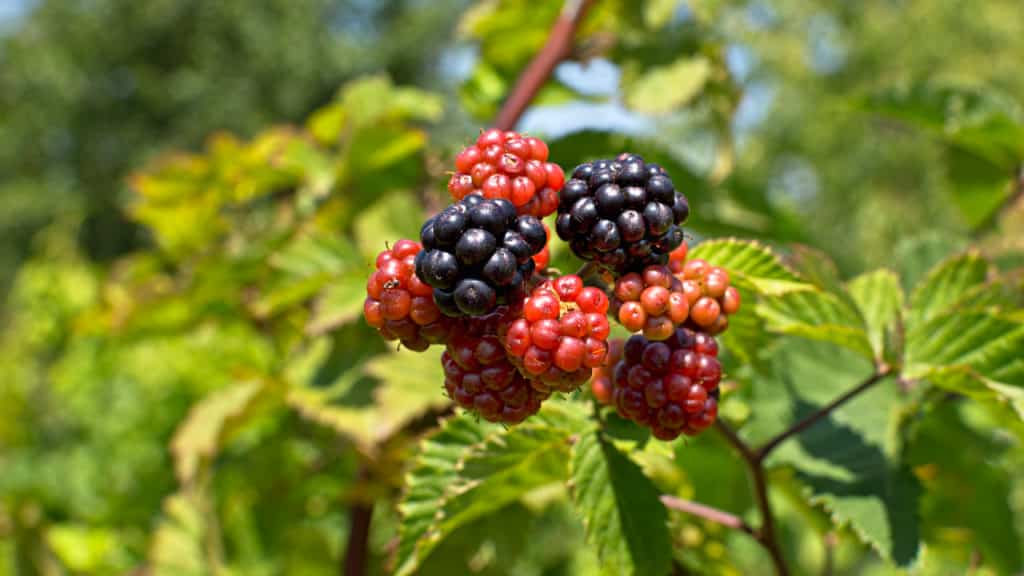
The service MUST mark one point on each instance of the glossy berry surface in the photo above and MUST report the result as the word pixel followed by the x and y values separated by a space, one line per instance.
pixel 650 301
pixel 623 213
pixel 480 379
pixel 478 255
pixel 709 294
pixel 399 305
pixel 509 166
pixel 601 377
pixel 670 386
pixel 543 258
pixel 561 333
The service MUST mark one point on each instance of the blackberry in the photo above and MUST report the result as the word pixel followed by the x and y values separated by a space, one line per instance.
pixel 479 378
pixel 623 213
pixel 399 305
pixel 710 297
pixel 652 301
pixel 509 166
pixel 478 254
pixel 671 386
pixel 561 333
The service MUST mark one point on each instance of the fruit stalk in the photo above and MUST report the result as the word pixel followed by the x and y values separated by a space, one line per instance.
pixel 708 513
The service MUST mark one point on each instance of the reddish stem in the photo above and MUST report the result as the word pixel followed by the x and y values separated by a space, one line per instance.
pixel 708 513
pixel 558 46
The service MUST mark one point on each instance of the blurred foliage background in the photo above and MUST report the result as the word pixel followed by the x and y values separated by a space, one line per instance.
pixel 192 193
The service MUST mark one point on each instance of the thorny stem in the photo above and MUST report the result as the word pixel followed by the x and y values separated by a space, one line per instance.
pixel 754 460
pixel 357 549
pixel 765 535
pixel 708 513
pixel 762 452
pixel 558 46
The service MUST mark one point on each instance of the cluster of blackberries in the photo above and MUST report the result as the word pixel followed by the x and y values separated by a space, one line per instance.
pixel 478 254
pixel 514 336
pixel 624 213
pixel 670 386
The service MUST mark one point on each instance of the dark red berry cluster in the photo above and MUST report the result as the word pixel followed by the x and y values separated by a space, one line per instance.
pixel 624 213
pixel 669 386
pixel 561 334
pixel 480 378
pixel 512 167
pixel 515 333
pixel 399 305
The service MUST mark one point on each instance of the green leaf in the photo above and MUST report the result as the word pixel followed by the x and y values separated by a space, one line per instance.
pixel 880 298
pixel 433 472
pixel 685 76
pixel 946 284
pixel 966 488
pixel 499 471
pixel 917 255
pixel 982 131
pixel 393 217
pixel 985 122
pixel 988 344
pixel 815 267
pixel 751 263
pixel 339 303
pixel 203 431
pixel 979 188
pixel 401 386
pixel 86 550
pixel 177 546
pixel 964 380
pixel 849 461
pixel 818 316
pixel 487 475
pixel 658 13
pixel 624 520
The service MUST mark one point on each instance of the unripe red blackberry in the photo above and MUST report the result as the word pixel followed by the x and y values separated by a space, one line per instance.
pixel 712 300
pixel 479 378
pixel 561 333
pixel 624 213
pixel 650 301
pixel 399 305
pixel 478 255
pixel 509 166
pixel 671 386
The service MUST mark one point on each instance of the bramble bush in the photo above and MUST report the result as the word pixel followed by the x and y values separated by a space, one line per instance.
pixel 626 397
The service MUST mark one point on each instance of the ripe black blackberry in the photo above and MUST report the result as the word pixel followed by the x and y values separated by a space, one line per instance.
pixel 622 213
pixel 477 255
